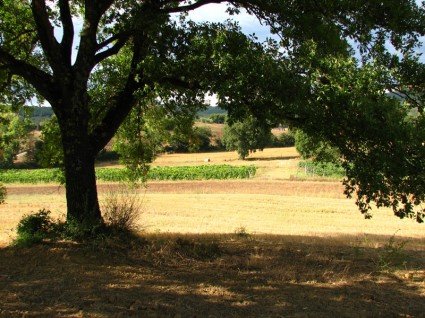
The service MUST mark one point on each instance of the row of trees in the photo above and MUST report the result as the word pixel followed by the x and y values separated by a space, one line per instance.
pixel 160 134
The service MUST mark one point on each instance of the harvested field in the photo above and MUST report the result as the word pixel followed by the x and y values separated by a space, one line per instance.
pixel 266 247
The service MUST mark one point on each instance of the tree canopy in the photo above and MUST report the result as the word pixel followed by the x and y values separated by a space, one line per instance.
pixel 246 136
pixel 13 135
pixel 135 53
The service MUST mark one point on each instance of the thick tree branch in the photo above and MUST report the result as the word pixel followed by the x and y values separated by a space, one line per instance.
pixel 119 39
pixel 103 5
pixel 88 43
pixel 45 32
pixel 121 104
pixel 68 30
pixel 190 7
pixel 42 81
pixel 109 41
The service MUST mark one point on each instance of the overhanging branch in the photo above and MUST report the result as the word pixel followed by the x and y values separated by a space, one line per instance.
pixel 190 7
pixel 40 80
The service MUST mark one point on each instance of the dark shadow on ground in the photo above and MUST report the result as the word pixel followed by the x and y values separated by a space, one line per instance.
pixel 238 275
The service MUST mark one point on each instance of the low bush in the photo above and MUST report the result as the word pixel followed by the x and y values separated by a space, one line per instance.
pixel 34 228
pixel 120 222
pixel 286 139
pixel 3 193
pixel 121 211
pixel 107 155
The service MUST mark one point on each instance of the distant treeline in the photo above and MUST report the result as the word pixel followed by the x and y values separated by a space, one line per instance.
pixel 36 113
pixel 211 110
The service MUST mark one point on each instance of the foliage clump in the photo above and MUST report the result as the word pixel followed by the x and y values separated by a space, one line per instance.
pixel 246 136
pixel 3 193
pixel 323 169
pixel 120 213
pixel 34 228
pixel 286 139
pixel 13 135
pixel 393 255
pixel 214 119
pixel 314 148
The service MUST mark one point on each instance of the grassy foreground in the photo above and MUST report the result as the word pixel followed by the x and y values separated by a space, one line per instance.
pixel 235 275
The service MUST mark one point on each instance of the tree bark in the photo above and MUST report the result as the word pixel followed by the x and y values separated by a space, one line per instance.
pixel 81 190
pixel 79 159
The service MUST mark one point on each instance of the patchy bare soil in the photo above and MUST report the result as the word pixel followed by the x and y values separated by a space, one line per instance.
pixel 214 276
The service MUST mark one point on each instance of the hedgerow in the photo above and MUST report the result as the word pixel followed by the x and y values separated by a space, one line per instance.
pixel 324 169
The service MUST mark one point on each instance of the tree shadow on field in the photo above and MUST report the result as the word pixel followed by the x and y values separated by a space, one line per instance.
pixel 238 275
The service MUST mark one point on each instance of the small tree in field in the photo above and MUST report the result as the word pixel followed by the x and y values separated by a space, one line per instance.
pixel 134 53
pixel 312 147
pixel 246 136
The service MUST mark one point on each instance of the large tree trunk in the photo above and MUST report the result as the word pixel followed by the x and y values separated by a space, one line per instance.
pixel 81 191
pixel 79 158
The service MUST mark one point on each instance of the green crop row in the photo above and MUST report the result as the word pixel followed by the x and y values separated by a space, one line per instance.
pixel 30 175
pixel 117 174
pixel 202 172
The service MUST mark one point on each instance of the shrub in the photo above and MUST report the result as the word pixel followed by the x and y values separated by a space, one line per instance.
pixel 324 169
pixel 121 211
pixel 201 139
pixel 287 139
pixel 393 255
pixel 3 193
pixel 198 139
pixel 315 148
pixel 107 155
pixel 34 228
pixel 218 118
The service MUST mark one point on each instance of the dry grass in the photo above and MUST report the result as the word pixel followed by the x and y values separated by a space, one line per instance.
pixel 272 157
pixel 264 247
pixel 253 276
pixel 281 208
